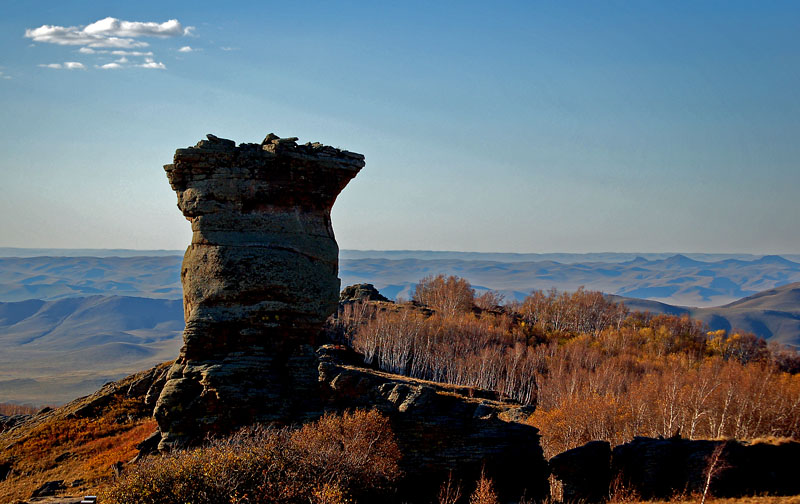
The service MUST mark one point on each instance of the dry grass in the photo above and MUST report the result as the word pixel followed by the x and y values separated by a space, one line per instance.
pixel 795 499
pixel 79 451
pixel 77 443
pixel 334 460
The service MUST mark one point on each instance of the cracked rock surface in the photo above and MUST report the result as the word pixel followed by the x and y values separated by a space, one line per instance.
pixel 259 279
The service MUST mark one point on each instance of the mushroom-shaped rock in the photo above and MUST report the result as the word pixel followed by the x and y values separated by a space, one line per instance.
pixel 259 279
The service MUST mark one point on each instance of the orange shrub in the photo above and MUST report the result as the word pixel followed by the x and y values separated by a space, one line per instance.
pixel 326 462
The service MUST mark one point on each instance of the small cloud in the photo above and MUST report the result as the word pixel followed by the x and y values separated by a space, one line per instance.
pixel 67 65
pixel 150 63
pixel 226 48
pixel 186 48
pixel 4 76
pixel 122 60
pixel 132 53
pixel 114 27
pixel 109 66
pixel 88 50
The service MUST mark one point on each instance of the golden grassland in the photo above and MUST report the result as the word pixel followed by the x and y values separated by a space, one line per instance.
pixel 81 451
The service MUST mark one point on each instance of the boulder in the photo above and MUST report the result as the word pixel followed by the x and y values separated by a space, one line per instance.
pixel 585 472
pixel 48 489
pixel 360 292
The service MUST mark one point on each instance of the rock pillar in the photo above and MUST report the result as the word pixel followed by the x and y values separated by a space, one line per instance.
pixel 259 279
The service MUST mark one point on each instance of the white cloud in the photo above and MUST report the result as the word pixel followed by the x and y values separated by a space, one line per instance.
pixel 150 63
pixel 67 65
pixel 118 52
pixel 225 48
pixel 113 27
pixel 111 36
pixel 107 32
pixel 73 35
pixel 4 76
pixel 132 53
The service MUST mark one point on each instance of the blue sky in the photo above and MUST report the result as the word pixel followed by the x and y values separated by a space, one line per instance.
pixel 510 126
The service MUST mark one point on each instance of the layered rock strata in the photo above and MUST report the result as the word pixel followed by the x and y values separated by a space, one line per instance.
pixel 259 279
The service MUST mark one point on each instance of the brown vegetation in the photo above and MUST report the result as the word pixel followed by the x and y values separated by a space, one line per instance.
pixel 81 451
pixel 17 409
pixel 594 370
pixel 329 461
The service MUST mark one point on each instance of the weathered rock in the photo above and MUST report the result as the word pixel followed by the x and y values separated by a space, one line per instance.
pixel 585 472
pixel 259 280
pixel 49 488
pixel 8 422
pixel 360 292
pixel 442 429
pixel 64 456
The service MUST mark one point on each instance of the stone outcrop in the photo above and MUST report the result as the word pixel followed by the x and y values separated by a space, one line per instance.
pixel 585 472
pixel 259 279
pixel 442 429
pixel 361 292
pixel 657 468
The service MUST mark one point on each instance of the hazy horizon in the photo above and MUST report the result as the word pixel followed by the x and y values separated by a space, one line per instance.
pixel 6 251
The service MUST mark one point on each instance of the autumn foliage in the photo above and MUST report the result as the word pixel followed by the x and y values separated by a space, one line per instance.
pixel 75 448
pixel 594 370
pixel 17 409
pixel 330 461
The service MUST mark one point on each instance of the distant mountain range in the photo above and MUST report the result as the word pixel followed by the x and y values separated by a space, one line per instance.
pixel 678 279
pixel 70 322
pixel 50 278
pixel 772 314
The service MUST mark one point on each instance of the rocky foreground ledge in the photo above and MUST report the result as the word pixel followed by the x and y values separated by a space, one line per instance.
pixel 440 429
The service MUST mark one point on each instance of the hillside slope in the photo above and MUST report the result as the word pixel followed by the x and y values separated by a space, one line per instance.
pixel 773 314
pixel 56 350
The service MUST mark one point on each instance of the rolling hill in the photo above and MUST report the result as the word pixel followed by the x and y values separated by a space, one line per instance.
pixel 773 314
pixel 57 350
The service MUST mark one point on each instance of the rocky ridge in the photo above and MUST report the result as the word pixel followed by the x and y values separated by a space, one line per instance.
pixel 441 429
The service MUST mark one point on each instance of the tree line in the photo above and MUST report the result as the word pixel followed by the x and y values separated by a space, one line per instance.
pixel 593 369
